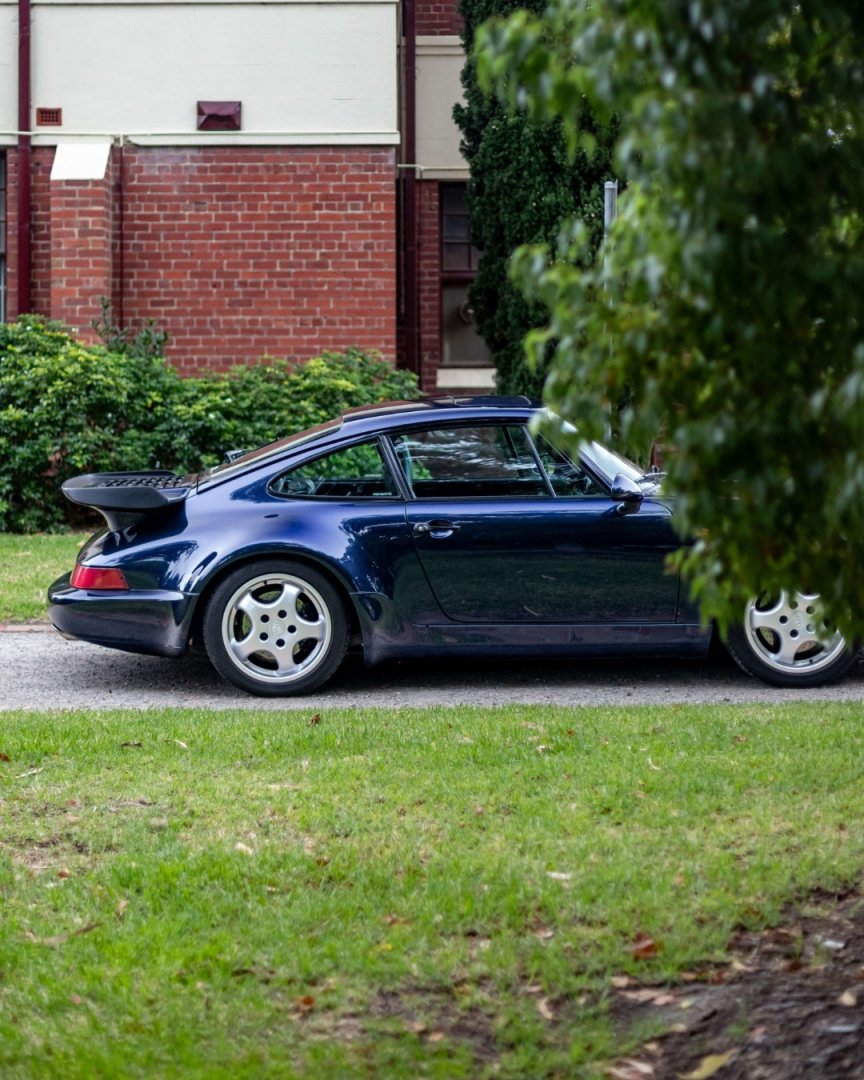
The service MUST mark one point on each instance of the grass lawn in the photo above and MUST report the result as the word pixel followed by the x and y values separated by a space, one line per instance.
pixel 392 893
pixel 28 565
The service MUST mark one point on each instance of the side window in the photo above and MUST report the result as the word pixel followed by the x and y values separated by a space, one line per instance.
pixel 566 476
pixel 470 462
pixel 356 473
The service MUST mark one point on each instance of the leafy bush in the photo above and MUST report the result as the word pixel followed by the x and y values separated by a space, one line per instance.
pixel 68 408
pixel 253 404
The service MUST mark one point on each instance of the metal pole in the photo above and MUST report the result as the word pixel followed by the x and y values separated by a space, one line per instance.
pixel 610 204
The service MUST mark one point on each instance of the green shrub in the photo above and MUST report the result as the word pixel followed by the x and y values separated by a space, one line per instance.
pixel 68 408
pixel 256 403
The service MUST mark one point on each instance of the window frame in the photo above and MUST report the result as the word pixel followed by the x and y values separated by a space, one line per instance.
pixel 379 442
pixel 503 423
pixel 454 277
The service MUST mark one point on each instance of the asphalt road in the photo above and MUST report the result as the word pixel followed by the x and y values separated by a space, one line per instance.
pixel 40 670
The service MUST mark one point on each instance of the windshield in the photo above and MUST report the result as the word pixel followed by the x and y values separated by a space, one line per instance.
pixel 609 463
pixel 606 462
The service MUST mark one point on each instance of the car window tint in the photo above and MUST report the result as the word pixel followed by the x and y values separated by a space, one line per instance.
pixel 470 462
pixel 357 472
pixel 567 477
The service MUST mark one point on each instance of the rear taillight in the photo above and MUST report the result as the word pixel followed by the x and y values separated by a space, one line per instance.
pixel 95 577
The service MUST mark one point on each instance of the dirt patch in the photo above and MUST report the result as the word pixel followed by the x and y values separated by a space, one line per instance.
pixel 790 1003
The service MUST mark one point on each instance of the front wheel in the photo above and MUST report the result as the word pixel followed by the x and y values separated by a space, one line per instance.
pixel 785 641
pixel 276 628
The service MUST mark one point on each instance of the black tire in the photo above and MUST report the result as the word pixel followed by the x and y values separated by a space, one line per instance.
pixel 783 642
pixel 276 628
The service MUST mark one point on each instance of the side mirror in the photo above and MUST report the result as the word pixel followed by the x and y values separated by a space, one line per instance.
pixel 627 493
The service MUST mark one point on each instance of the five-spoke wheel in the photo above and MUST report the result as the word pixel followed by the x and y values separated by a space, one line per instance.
pixel 786 641
pixel 276 628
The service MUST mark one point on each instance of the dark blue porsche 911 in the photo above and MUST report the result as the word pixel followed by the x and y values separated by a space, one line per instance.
pixel 436 527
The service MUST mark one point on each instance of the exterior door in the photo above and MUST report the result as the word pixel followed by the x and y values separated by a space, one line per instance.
pixel 500 543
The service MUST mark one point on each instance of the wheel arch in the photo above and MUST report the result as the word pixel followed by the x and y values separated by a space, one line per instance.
pixel 248 558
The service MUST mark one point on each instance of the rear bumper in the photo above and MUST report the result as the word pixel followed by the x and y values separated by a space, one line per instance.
pixel 155 622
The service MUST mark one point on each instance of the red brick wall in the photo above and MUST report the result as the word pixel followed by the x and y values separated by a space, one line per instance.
pixel 429 283
pixel 438 17
pixel 81 242
pixel 235 252
pixel 251 251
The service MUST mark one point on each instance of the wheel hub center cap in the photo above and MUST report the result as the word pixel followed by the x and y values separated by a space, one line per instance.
pixel 278 628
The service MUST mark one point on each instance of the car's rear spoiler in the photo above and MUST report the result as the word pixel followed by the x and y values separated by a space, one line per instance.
pixel 119 496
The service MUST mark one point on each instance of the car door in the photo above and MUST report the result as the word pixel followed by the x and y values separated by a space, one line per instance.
pixel 499 544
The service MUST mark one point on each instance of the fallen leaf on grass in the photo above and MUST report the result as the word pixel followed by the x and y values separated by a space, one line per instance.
pixel 709 1066
pixel 131 745
pixel 180 743
pixel 4 757
pixel 415 1026
pixel 650 996
pixel 558 875
pixel 644 946
pixel 305 1004
pixel 395 920
pixel 60 939
pixel 244 849
pixel 315 719
pixel 847 998
pixel 64 873
pixel 545 1009
pixel 630 1069
pixel 436 1036
pixel 620 982
pixel 121 908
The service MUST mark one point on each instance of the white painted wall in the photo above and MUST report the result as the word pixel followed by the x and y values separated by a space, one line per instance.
pixel 305 72
pixel 439 64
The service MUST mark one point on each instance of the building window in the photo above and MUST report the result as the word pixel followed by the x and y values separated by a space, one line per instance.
pixel 461 345
pixel 2 237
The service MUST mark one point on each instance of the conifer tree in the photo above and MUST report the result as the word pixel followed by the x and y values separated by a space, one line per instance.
pixel 523 185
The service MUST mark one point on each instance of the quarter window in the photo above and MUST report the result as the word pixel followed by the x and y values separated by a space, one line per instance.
pixel 470 462
pixel 357 472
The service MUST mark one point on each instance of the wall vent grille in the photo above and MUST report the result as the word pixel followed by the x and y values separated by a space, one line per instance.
pixel 49 117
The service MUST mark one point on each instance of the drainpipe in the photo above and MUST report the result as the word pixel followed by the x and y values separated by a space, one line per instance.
pixel 409 190
pixel 24 198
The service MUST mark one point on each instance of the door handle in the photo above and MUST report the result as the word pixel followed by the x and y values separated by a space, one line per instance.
pixel 438 530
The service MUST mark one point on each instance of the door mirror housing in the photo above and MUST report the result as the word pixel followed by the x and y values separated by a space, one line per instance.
pixel 627 493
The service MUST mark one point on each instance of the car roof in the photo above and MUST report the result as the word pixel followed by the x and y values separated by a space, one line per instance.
pixel 426 405
pixel 369 419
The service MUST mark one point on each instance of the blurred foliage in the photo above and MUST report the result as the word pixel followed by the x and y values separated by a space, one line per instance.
pixel 728 295
pixel 523 182
pixel 68 408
